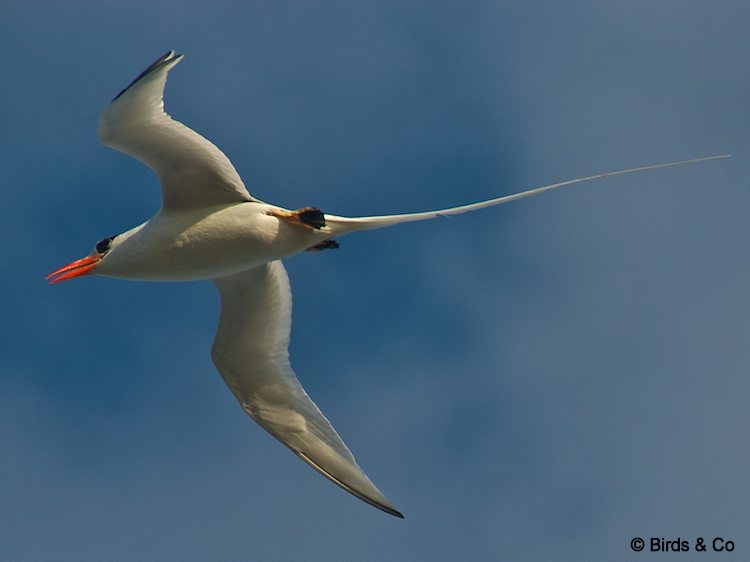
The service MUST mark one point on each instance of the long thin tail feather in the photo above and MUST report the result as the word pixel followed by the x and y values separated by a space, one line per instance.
pixel 343 225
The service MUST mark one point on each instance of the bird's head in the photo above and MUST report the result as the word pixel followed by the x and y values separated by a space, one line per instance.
pixel 83 266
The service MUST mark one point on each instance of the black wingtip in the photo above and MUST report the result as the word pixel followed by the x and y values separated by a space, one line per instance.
pixel 381 506
pixel 384 508
pixel 165 58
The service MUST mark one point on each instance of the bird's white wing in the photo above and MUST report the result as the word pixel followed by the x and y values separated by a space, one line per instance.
pixel 251 353
pixel 193 171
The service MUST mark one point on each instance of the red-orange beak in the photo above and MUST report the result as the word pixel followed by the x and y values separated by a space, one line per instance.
pixel 75 269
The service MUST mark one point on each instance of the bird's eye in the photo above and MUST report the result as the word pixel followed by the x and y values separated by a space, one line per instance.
pixel 103 245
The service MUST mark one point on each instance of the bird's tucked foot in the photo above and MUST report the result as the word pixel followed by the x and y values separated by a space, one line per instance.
pixel 307 216
pixel 324 245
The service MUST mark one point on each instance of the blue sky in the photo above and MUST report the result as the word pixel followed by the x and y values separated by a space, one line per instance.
pixel 543 380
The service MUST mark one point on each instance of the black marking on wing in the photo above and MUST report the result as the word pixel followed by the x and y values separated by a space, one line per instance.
pixel 166 57
pixel 324 245
pixel 311 216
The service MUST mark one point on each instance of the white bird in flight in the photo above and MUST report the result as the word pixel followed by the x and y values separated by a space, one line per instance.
pixel 210 227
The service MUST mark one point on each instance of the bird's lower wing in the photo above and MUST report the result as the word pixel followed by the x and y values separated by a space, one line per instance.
pixel 251 353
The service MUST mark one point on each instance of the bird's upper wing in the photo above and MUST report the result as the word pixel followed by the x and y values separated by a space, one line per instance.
pixel 251 353
pixel 193 172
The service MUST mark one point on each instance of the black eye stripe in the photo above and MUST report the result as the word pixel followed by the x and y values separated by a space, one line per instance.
pixel 103 245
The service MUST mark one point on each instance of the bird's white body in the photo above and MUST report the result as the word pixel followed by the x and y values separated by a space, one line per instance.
pixel 205 243
pixel 210 227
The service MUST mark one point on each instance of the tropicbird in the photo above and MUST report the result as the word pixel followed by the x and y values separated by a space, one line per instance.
pixel 210 227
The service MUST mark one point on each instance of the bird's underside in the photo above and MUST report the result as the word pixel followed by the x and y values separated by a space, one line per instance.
pixel 209 226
